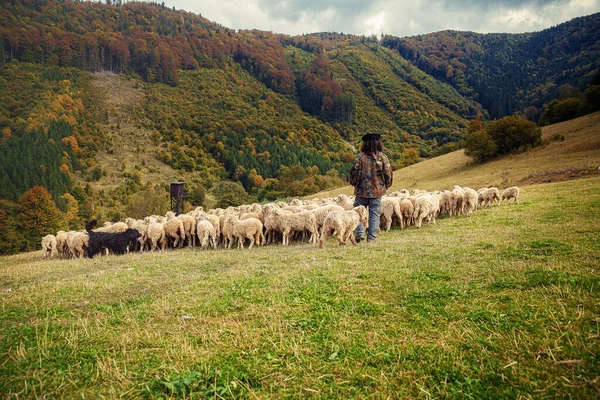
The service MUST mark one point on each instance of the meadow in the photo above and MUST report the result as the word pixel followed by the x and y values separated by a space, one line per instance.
pixel 505 304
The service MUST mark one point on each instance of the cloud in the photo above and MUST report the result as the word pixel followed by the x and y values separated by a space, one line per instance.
pixel 395 17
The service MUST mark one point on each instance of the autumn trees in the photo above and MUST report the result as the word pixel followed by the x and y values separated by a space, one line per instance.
pixel 512 134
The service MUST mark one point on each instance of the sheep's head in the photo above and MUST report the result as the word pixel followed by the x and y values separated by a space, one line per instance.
pixel 362 214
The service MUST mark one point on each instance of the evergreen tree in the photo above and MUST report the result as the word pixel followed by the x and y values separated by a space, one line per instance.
pixel 38 215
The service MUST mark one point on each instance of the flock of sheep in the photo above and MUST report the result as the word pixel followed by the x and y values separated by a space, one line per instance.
pixel 313 220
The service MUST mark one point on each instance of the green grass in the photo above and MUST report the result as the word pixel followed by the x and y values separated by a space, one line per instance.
pixel 504 304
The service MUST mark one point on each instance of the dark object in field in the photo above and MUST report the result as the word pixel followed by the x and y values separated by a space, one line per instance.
pixel 115 242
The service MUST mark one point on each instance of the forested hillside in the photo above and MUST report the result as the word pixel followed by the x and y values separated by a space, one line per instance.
pixel 223 104
pixel 508 72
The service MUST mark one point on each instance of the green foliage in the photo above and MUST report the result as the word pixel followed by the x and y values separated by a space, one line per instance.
pixel 514 134
pixel 230 194
pixel 229 125
pixel 12 239
pixel 561 110
pixel 197 195
pixel 480 146
pixel 507 135
pixel 151 201
pixel 38 216
pixel 592 98
pixel 49 126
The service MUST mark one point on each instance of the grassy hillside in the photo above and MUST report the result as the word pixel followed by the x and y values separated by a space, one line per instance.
pixel 504 304
pixel 576 156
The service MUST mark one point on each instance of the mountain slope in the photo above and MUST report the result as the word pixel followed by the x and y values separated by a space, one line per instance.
pixel 508 72
pixel 578 155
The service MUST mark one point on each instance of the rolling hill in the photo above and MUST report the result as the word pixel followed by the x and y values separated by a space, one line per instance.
pixel 571 150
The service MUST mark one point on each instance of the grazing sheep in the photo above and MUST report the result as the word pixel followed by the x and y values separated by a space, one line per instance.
pixel 511 193
pixel 426 206
pixel 343 223
pixel 175 232
pixel 156 235
pixel 251 229
pixel 189 226
pixel 471 201
pixel 272 222
pixel 390 207
pixel 206 233
pixel 322 212
pixel 116 242
pixel 61 244
pixel 304 221
pixel 458 201
pixel 49 246
pixel 226 230
pixel 77 243
pixel 446 202
pixel 407 209
pixel 345 201
pixel 488 196
pixel 113 228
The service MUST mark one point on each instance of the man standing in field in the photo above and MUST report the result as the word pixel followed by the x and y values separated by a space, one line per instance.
pixel 371 175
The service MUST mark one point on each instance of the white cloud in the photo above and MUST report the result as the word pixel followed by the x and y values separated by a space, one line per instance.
pixel 396 17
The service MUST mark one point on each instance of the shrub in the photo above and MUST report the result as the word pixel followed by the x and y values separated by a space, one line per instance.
pixel 148 202
pixel 560 110
pixel 230 194
pixel 514 134
pixel 507 135
pixel 480 146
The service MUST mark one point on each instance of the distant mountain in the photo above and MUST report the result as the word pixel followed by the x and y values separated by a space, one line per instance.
pixel 508 72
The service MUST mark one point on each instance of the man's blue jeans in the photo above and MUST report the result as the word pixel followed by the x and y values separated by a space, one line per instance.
pixel 374 206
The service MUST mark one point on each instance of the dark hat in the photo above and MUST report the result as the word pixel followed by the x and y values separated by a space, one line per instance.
pixel 371 136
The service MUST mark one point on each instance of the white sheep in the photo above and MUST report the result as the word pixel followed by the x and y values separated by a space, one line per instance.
pixel 407 209
pixel 426 206
pixel 471 201
pixel 345 201
pixel 175 230
pixel 511 193
pixel 61 244
pixel 304 221
pixel 323 211
pixel 458 201
pixel 189 227
pixel 487 196
pixel 226 230
pixel 117 227
pixel 251 229
pixel 206 233
pixel 390 207
pixel 77 243
pixel 343 223
pixel 156 235
pixel 49 246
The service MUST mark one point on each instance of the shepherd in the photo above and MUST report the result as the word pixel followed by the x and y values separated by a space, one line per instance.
pixel 371 176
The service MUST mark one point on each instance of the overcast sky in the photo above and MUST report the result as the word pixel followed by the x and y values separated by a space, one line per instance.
pixel 395 17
